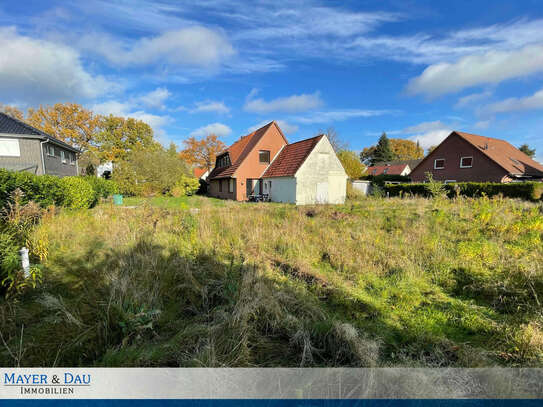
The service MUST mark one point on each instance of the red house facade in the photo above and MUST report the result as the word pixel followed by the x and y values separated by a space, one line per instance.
pixel 464 157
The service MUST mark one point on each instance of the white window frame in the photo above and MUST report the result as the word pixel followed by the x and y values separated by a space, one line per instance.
pixel 231 185
pixel 449 181
pixel 72 158
pixel 50 151
pixel 466 166
pixel 63 159
pixel 435 164
pixel 13 147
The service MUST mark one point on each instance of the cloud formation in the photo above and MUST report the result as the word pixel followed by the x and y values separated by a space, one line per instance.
pixel 286 127
pixel 533 102
pixel 36 71
pixel 210 106
pixel 289 104
pixel 489 68
pixel 339 115
pixel 219 129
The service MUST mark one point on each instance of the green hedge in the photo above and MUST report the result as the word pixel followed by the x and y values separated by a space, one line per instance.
pixel 45 190
pixel 532 191
pixel 381 179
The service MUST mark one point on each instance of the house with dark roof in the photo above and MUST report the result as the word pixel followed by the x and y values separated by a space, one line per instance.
pixel 25 148
pixel 464 157
pixel 389 169
pixel 264 164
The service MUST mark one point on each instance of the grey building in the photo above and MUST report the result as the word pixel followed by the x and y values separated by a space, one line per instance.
pixel 25 148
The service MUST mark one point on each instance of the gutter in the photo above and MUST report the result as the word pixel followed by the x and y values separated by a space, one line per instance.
pixel 41 153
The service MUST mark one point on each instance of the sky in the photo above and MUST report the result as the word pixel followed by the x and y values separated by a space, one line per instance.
pixel 414 69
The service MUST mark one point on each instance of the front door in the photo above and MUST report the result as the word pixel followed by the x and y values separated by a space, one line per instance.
pixel 249 183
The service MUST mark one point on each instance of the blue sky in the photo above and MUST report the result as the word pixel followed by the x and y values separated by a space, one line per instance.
pixel 415 69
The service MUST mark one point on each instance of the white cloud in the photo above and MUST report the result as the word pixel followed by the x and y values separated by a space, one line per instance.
pixel 127 109
pixel 37 71
pixel 219 129
pixel 428 134
pixel 489 68
pixel 289 104
pixel 285 126
pixel 156 98
pixel 339 115
pixel 191 46
pixel 533 102
pixel 210 106
pixel 472 98
pixel 483 124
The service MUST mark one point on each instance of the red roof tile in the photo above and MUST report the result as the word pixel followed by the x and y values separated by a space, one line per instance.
pixel 238 151
pixel 291 157
pixel 198 172
pixel 391 169
pixel 504 154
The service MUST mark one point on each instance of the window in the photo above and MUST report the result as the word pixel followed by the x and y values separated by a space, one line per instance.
pixel 230 185
pixel 264 156
pixel 223 161
pixel 385 170
pixel 466 162
pixel 9 147
pixel 63 157
pixel 439 163
pixel 51 151
pixel 374 172
pixel 220 185
pixel 449 181
pixel 72 158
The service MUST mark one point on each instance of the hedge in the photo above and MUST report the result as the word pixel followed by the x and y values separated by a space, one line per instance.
pixel 532 191
pixel 46 190
pixel 381 179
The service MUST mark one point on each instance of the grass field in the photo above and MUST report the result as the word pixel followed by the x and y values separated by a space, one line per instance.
pixel 376 282
pixel 168 202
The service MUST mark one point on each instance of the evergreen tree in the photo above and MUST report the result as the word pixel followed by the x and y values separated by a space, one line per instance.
pixel 525 148
pixel 383 150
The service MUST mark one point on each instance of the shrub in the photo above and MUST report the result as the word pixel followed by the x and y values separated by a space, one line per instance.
pixel 77 192
pixel 185 186
pixel 531 191
pixel 103 188
pixel 381 179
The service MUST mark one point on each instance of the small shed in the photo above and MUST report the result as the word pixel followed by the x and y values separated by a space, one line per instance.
pixel 361 186
pixel 306 172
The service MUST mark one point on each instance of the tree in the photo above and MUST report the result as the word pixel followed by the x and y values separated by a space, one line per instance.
pixel 383 150
pixel 202 153
pixel 338 144
pixel 119 137
pixel 149 172
pixel 406 149
pixel 69 122
pixel 430 149
pixel 525 148
pixel 12 111
pixel 351 163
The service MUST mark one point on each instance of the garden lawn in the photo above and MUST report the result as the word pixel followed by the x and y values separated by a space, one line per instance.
pixel 169 202
pixel 376 282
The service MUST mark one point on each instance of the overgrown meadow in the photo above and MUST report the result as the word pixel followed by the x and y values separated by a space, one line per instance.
pixel 375 282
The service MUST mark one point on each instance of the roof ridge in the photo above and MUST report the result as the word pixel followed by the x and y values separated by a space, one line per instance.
pixel 310 138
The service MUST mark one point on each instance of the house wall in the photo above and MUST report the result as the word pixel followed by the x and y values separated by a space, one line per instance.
pixel 54 164
pixel 29 156
pixel 451 149
pixel 321 166
pixel 213 189
pixel 251 168
pixel 283 189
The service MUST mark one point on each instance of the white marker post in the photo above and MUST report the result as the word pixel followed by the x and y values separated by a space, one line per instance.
pixel 24 261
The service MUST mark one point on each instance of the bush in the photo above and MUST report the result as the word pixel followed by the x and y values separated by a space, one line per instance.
pixel 381 179
pixel 185 186
pixel 78 193
pixel 103 188
pixel 45 190
pixel 531 191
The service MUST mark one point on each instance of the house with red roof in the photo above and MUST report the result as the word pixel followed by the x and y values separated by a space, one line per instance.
pixel 264 164
pixel 200 173
pixel 464 157
pixel 389 169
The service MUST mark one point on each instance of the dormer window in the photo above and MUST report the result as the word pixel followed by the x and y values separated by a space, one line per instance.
pixel 439 163
pixel 466 162
pixel 223 161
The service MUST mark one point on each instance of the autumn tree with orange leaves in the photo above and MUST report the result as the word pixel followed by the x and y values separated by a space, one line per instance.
pixel 202 153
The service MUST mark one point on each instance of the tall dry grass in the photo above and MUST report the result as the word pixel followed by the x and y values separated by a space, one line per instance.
pixel 375 282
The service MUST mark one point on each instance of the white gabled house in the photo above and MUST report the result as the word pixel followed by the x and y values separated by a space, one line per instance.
pixel 306 172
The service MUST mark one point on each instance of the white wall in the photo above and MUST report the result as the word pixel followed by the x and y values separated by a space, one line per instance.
pixel 321 166
pixel 283 189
